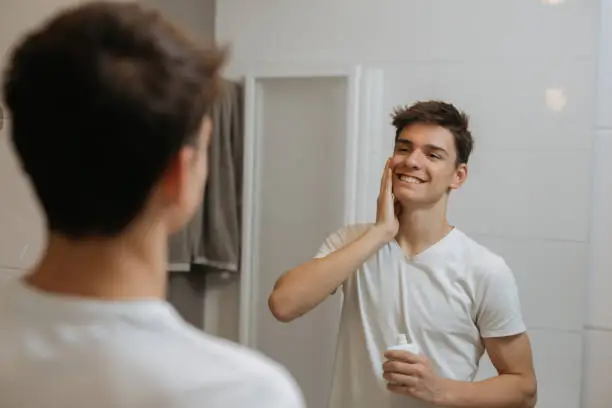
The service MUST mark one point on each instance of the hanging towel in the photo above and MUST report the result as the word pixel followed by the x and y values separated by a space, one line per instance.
pixel 212 238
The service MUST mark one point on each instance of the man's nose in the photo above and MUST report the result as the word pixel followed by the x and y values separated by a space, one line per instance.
pixel 415 159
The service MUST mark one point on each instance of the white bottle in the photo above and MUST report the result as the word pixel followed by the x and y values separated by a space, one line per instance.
pixel 403 344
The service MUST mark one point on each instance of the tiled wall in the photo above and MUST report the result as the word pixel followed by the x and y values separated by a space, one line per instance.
pixel 525 70
pixel 598 347
pixel 196 17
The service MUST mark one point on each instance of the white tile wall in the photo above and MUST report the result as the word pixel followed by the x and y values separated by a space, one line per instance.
pixel 396 30
pixel 532 105
pixel 535 104
pixel 526 193
pixel 600 303
pixel 604 80
pixel 558 365
pixel 597 392
pixel 533 261
pixel 526 71
pixel 196 17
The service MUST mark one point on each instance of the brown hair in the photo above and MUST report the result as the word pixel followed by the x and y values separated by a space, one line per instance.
pixel 438 113
pixel 102 97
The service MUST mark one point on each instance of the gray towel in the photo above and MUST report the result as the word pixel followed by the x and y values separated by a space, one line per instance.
pixel 212 238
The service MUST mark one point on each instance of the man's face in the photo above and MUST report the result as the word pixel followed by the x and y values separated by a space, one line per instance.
pixel 424 165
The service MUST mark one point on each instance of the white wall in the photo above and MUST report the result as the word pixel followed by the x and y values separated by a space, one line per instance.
pixel 525 70
pixel 598 393
pixel 197 17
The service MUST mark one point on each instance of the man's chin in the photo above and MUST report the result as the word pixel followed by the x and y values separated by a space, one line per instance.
pixel 416 200
pixel 409 197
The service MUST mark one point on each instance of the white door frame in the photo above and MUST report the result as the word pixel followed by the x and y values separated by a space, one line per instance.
pixel 364 106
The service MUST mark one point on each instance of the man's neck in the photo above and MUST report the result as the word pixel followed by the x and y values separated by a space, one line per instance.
pixel 422 227
pixel 132 266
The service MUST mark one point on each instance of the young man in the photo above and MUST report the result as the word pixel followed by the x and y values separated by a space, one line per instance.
pixel 413 273
pixel 110 120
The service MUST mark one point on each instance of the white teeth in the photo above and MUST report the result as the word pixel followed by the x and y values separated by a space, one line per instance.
pixel 410 179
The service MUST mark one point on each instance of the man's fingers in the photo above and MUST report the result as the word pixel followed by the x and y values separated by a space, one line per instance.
pixel 390 182
pixel 405 356
pixel 398 379
pixel 399 389
pixel 384 177
pixel 414 370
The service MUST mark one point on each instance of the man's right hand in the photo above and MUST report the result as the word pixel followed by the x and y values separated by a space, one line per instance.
pixel 386 211
pixel 303 287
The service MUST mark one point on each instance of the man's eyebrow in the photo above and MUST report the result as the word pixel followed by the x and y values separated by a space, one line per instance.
pixel 403 142
pixel 433 147
pixel 436 148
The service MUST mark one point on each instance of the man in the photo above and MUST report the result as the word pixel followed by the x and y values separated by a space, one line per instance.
pixel 413 273
pixel 110 120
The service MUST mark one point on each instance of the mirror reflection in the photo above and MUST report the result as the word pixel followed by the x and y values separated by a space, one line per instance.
pixel 352 206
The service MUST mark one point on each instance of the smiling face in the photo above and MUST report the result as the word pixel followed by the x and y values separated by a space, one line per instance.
pixel 424 164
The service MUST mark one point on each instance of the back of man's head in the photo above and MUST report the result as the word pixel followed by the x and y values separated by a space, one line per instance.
pixel 101 98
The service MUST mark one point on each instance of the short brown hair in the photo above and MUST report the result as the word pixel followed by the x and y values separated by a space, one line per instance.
pixel 102 96
pixel 438 113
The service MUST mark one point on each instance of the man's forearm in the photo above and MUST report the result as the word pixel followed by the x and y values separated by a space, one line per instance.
pixel 503 391
pixel 304 287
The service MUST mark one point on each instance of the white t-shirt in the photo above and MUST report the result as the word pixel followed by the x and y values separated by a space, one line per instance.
pixel 445 299
pixel 58 351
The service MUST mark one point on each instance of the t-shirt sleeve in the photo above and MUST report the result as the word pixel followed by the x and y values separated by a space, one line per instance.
pixel 332 243
pixel 499 309
pixel 341 238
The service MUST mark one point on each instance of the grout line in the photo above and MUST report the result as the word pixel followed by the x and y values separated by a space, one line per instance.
pixel 592 327
pixel 525 238
pixel 585 328
pixel 554 329
pixel 11 268
pixel 301 58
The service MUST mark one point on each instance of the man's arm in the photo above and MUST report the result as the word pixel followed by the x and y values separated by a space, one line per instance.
pixel 507 343
pixel 302 288
pixel 503 332
pixel 514 387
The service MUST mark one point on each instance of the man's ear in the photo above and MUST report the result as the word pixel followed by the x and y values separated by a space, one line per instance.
pixel 461 173
pixel 175 179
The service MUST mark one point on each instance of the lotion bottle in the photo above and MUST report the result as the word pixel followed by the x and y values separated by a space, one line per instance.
pixel 403 344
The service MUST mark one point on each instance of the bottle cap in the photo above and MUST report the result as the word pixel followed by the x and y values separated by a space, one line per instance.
pixel 401 339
